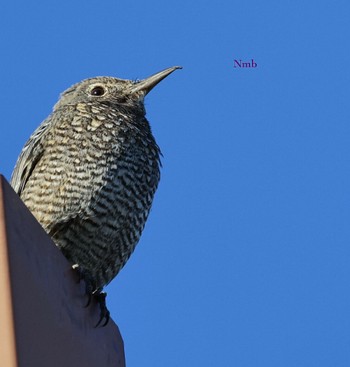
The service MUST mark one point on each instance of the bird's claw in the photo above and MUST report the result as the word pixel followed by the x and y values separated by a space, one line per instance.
pixel 104 313
pixel 90 291
pixel 89 284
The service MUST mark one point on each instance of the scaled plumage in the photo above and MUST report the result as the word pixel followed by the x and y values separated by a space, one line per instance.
pixel 89 173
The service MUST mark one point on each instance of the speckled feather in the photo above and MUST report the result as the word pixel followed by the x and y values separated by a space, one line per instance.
pixel 90 170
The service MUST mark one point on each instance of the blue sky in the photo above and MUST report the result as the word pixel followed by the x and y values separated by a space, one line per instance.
pixel 245 259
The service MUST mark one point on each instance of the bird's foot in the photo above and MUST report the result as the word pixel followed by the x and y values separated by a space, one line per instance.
pixel 104 313
pixel 91 291
pixel 89 284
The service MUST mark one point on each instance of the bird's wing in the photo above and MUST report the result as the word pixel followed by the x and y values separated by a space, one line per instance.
pixel 29 157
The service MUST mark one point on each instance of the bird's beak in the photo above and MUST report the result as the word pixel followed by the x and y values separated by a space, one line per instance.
pixel 146 85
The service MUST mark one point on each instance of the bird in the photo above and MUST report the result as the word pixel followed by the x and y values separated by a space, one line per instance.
pixel 89 173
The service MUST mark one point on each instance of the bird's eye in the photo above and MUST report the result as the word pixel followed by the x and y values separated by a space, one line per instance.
pixel 97 91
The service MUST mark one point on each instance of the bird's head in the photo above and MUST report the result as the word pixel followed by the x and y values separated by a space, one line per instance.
pixel 112 91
